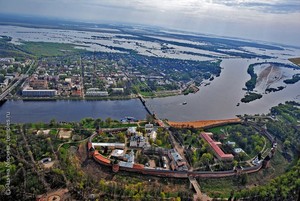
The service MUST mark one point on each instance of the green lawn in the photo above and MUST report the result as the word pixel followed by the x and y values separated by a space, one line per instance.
pixel 217 130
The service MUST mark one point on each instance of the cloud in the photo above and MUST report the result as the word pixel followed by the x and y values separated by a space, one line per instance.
pixel 262 19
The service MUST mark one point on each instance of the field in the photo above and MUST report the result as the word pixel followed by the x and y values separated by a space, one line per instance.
pixel 45 49
pixel 295 61
pixel 202 123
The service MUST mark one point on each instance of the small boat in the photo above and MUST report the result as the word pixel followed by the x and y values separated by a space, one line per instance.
pixel 184 103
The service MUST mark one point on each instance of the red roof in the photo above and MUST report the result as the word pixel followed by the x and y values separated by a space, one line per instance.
pixel 101 158
pixel 215 147
pixel 137 166
pixel 89 145
pixel 160 123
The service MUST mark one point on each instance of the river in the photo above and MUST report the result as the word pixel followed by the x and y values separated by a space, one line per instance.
pixel 218 100
pixel 44 111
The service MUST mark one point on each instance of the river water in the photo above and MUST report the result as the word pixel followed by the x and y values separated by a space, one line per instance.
pixel 44 111
pixel 218 100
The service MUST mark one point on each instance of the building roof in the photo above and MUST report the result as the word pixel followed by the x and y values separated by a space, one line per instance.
pixel 131 129
pixel 148 125
pixel 101 158
pixel 40 90
pixel 108 144
pixel 238 150
pixel 125 164
pixel 214 146
pixel 117 153
pixel 175 155
pixel 138 166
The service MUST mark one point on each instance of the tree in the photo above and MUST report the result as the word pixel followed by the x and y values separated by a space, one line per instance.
pixel 206 158
pixel 108 121
pixel 235 163
pixel 242 156
pixel 287 143
pixel 244 179
pixel 53 123
pixel 159 142
pixel 149 118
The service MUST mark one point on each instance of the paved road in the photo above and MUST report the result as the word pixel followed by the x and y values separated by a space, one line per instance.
pixel 19 79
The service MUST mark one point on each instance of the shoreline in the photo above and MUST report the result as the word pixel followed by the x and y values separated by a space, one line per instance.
pixel 129 97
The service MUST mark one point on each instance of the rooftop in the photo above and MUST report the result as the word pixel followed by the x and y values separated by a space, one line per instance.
pixel 214 146
pixel 175 155
pixel 108 144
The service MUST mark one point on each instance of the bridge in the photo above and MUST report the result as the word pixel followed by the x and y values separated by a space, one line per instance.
pixel 12 87
pixel 144 104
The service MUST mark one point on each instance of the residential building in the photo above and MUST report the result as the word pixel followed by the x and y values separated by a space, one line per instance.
pixel 39 84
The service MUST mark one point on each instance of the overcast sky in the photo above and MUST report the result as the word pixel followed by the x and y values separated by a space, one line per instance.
pixel 267 20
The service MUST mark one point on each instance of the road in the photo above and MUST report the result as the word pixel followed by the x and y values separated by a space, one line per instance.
pixel 19 80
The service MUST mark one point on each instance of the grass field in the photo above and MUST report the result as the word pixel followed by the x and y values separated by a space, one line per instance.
pixel 217 130
pixel 46 49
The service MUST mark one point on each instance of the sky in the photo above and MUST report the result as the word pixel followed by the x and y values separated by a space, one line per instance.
pixel 265 20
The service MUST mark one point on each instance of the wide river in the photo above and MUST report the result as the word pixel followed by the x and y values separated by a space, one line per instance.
pixel 215 101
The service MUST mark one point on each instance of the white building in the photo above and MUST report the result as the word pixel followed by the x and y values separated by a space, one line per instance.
pixel 131 130
pixel 153 135
pixel 148 128
pixel 95 92
pixel 238 150
pixel 138 141
pixel 117 90
pixel 39 93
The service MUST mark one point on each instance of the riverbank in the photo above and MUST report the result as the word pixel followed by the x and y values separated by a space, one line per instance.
pixel 203 123
pixel 160 94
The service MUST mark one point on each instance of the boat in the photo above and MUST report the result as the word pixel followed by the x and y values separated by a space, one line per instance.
pixel 184 103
